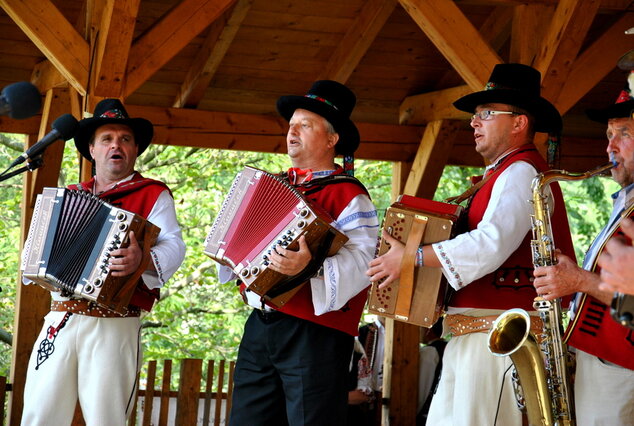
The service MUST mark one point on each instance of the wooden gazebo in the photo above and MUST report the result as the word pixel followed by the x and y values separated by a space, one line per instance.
pixel 207 74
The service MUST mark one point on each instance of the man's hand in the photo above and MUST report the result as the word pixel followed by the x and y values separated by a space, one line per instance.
pixel 357 396
pixel 563 279
pixel 617 263
pixel 125 261
pixel 290 262
pixel 387 266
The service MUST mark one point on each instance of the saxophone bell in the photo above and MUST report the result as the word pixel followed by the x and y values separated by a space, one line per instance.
pixel 511 336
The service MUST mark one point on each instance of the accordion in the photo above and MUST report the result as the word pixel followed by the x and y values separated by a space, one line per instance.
pixel 418 296
pixel 260 212
pixel 68 247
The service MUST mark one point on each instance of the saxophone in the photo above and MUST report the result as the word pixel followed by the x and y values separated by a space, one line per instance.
pixel 542 369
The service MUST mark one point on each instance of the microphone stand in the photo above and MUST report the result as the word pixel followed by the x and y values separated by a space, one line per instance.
pixel 34 164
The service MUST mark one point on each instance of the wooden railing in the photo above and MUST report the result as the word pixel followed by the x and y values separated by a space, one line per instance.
pixel 195 399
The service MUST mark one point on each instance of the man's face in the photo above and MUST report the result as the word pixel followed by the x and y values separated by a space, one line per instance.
pixel 492 136
pixel 114 151
pixel 620 135
pixel 308 141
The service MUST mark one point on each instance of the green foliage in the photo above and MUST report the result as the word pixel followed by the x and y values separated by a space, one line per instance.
pixel 198 317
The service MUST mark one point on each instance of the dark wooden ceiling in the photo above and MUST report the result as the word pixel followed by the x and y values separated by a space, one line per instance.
pixel 208 72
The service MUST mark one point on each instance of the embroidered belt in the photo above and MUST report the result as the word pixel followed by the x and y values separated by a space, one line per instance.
pixel 91 309
pixel 459 325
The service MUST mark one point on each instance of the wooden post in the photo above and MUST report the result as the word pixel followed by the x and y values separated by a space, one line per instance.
pixel 401 359
pixel 32 302
pixel 189 392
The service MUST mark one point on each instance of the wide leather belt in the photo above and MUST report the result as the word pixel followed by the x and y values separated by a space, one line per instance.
pixel 459 325
pixel 91 309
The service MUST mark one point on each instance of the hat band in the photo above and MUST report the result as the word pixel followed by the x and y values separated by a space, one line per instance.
pixel 113 113
pixel 317 98
pixel 491 85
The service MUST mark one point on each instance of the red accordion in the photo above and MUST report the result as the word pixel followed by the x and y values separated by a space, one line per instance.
pixel 418 296
pixel 260 212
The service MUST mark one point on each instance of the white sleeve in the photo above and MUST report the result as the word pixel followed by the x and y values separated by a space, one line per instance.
pixel 344 273
pixel 505 223
pixel 168 252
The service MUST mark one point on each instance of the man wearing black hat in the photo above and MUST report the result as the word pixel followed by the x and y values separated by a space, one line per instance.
pixel 293 361
pixel 490 265
pixel 84 351
pixel 604 378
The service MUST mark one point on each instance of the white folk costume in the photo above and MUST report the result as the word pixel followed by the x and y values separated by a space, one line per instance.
pixel 90 353
pixel 490 266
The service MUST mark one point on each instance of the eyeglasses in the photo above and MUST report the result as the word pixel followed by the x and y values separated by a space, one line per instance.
pixel 487 114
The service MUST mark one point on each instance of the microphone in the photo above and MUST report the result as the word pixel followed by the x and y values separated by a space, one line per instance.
pixel 20 100
pixel 64 127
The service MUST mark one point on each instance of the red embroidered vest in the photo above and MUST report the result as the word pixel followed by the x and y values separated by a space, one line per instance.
pixel 137 195
pixel 593 330
pixel 333 199
pixel 511 285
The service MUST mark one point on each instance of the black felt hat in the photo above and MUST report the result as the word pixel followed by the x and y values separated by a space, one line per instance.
pixel 520 86
pixel 334 102
pixel 624 106
pixel 112 111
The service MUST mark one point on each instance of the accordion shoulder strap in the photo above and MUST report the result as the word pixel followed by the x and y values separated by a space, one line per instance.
pixel 319 184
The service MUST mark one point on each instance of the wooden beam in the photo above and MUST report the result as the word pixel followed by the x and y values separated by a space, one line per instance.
pixel 265 133
pixel 209 57
pixel 562 43
pixel 598 60
pixel 496 29
pixel 46 77
pixel 51 32
pixel 438 105
pixel 431 158
pixel 358 40
pixel 524 42
pixel 427 107
pixel 171 34
pixel 32 302
pixel 113 39
pixel 456 38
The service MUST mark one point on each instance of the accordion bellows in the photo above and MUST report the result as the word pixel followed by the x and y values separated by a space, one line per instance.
pixel 70 239
pixel 261 211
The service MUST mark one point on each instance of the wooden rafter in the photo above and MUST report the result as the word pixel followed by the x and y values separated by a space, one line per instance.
pixel 112 42
pixel 431 157
pixel 560 46
pixel 456 38
pixel 358 39
pixel 168 36
pixel 60 43
pixel 525 44
pixel 208 59
pixel 595 63
pixel 420 109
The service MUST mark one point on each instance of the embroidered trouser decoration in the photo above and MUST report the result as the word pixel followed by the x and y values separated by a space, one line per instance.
pixel 47 345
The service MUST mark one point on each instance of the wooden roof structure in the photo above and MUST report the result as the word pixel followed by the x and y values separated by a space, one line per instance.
pixel 207 73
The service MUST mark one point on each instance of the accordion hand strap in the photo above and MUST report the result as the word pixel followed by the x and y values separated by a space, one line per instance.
pixel 146 241
pixel 406 282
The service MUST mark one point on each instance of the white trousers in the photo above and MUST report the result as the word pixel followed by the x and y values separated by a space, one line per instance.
pixel 472 385
pixel 95 360
pixel 604 393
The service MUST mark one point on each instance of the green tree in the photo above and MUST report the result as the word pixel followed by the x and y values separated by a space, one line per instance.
pixel 197 316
